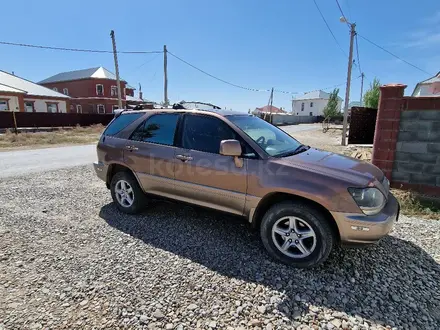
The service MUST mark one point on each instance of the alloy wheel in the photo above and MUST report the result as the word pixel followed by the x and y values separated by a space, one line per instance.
pixel 124 193
pixel 294 237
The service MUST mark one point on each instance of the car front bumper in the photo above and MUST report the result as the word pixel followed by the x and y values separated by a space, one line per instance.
pixel 358 228
pixel 101 170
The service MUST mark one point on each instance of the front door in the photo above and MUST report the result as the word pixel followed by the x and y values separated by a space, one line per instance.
pixel 150 153
pixel 203 176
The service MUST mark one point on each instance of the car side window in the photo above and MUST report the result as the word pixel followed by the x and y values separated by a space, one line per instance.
pixel 119 123
pixel 158 129
pixel 204 133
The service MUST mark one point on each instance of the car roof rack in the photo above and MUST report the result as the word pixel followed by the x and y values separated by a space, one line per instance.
pixel 182 105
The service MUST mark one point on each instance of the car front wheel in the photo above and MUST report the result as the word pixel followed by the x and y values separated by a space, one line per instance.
pixel 296 234
pixel 126 193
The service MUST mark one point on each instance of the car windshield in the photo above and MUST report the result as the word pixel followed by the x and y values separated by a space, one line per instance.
pixel 270 138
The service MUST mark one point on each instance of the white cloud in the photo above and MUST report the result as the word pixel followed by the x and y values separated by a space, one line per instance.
pixel 434 19
pixel 423 39
pixel 427 36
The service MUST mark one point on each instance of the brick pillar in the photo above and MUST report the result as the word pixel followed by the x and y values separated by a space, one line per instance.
pixel 21 103
pixel 387 126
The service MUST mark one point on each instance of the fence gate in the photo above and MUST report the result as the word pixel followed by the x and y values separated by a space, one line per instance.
pixel 362 125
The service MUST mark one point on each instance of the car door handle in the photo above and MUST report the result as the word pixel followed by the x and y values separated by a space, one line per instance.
pixel 131 148
pixel 184 158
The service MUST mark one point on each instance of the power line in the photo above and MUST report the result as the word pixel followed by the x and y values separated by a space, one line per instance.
pixel 247 88
pixel 328 27
pixel 146 62
pixel 349 9
pixel 394 55
pixel 342 13
pixel 357 54
pixel 216 78
pixel 77 49
pixel 314 90
pixel 330 87
pixel 334 86
pixel 358 63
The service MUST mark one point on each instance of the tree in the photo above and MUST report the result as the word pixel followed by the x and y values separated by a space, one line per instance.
pixel 331 109
pixel 371 97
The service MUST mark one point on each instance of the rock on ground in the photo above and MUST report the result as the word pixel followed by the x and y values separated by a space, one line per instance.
pixel 69 259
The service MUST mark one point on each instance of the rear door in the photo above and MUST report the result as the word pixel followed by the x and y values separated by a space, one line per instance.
pixel 111 145
pixel 150 152
pixel 203 176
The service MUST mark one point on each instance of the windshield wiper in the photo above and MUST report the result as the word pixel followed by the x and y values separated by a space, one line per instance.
pixel 298 150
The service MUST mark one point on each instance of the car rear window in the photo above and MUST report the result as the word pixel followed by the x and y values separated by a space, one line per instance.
pixel 121 122
pixel 158 129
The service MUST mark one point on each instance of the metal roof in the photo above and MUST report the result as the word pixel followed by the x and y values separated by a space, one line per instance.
pixel 27 86
pixel 268 108
pixel 98 73
pixel 430 81
pixel 319 94
pixel 133 99
pixel 354 104
pixel 436 78
pixel 6 88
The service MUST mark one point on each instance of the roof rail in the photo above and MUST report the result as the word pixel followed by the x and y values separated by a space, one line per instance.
pixel 118 112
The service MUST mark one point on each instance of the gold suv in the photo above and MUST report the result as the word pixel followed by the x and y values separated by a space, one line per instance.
pixel 302 200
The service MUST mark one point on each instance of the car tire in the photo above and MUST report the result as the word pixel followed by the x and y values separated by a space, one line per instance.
pixel 126 193
pixel 301 224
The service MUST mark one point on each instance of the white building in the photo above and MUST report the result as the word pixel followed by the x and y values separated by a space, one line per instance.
pixel 18 94
pixel 312 103
pixel 429 87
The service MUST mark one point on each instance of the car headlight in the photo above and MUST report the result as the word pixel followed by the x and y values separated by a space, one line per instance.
pixel 370 200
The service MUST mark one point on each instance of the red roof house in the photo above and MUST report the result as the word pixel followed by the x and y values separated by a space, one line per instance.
pixel 267 108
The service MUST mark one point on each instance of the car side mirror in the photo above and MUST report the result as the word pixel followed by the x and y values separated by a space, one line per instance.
pixel 230 148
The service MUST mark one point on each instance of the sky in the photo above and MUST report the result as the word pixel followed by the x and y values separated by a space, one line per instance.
pixel 258 44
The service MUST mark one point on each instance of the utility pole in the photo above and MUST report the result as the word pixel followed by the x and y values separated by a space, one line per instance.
pixel 362 86
pixel 269 105
pixel 165 76
pixel 271 102
pixel 347 89
pixel 118 82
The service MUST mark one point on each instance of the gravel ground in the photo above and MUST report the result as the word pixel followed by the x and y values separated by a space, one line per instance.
pixel 330 141
pixel 69 259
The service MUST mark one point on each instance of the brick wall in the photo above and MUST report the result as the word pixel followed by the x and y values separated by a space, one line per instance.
pixel 86 87
pixel 91 105
pixel 407 140
pixel 129 91
pixel 83 92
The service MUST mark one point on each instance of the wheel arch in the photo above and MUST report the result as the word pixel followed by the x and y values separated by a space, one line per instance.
pixel 277 197
pixel 117 167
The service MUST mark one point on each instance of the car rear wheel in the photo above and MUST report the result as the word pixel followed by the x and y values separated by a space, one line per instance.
pixel 126 193
pixel 296 234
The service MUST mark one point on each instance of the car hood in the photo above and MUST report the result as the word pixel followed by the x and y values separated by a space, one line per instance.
pixel 338 166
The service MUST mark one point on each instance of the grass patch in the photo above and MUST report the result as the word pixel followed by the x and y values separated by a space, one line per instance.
pixel 76 135
pixel 414 204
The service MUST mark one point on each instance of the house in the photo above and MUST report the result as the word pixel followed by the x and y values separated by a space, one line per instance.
pixel 91 90
pixel 312 103
pixel 429 87
pixel 354 104
pixel 19 94
pixel 268 109
pixel 139 102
